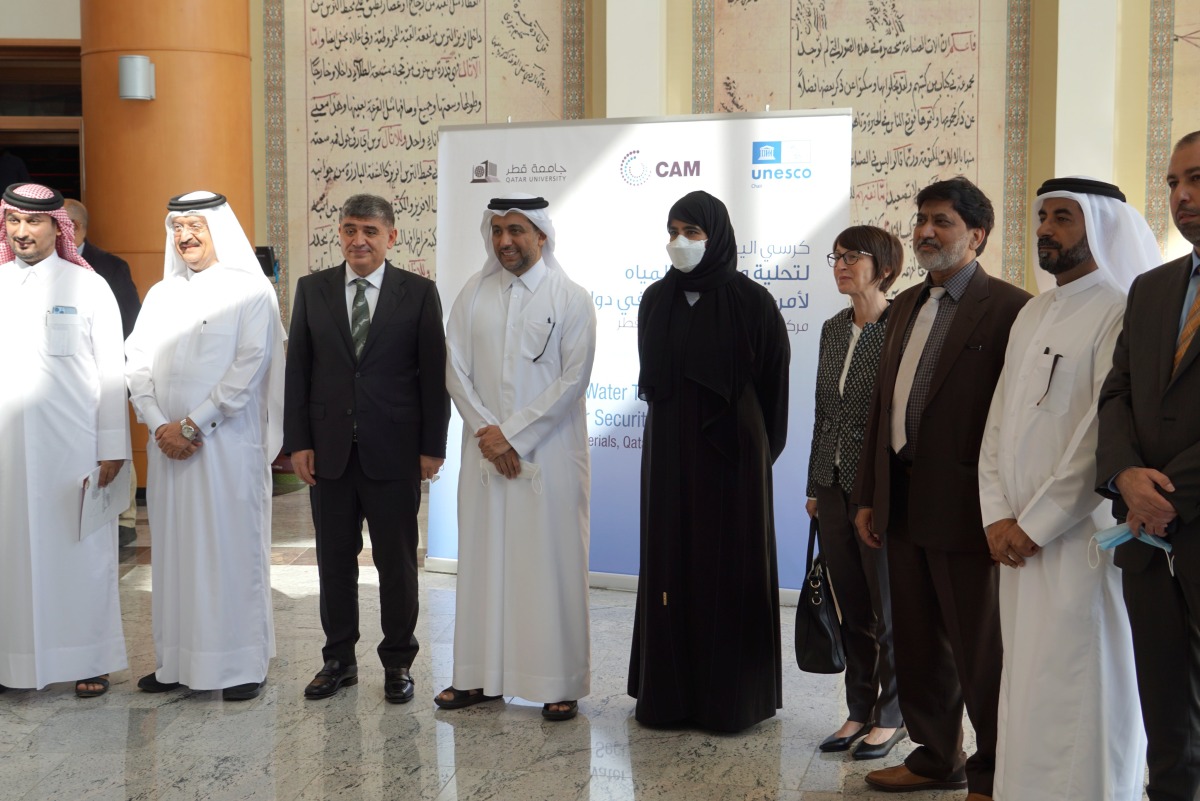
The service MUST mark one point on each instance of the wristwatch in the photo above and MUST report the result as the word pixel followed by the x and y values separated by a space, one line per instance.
pixel 188 430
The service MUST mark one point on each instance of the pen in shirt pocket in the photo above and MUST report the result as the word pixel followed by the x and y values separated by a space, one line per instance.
pixel 1050 378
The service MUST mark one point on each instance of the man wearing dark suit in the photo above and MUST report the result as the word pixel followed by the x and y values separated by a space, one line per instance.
pixel 918 486
pixel 112 269
pixel 1148 462
pixel 365 418
pixel 115 271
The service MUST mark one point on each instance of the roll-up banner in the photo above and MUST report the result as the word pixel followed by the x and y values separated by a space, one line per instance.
pixel 785 178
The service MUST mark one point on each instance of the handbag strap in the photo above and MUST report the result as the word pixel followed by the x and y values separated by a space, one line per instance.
pixel 813 527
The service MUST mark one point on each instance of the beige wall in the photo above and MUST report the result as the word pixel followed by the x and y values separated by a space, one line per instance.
pixel 40 19
pixel 679 57
pixel 258 116
pixel 1133 66
pixel 1043 96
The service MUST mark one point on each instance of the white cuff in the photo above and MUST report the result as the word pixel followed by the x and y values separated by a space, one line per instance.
pixel 112 443
pixel 154 419
pixel 1044 521
pixel 207 417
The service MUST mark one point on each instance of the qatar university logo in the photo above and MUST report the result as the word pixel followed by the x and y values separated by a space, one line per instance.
pixel 484 173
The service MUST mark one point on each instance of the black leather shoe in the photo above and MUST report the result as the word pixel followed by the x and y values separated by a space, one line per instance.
pixel 330 679
pixel 150 684
pixel 870 751
pixel 397 685
pixel 243 692
pixel 835 743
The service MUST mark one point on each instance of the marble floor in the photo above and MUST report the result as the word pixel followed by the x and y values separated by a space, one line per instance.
pixel 131 745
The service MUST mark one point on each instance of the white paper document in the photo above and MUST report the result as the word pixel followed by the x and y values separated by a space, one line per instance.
pixel 102 504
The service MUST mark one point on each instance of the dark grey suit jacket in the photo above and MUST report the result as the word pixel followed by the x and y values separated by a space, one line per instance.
pixel 396 393
pixel 943 502
pixel 115 271
pixel 1151 418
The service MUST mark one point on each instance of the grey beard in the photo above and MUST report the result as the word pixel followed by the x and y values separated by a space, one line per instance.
pixel 942 260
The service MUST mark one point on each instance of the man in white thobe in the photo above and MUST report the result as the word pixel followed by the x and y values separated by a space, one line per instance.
pixel 1069 724
pixel 205 373
pixel 62 412
pixel 521 340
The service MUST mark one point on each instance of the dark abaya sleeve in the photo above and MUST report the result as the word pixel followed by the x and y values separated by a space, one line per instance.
pixel 771 383
pixel 649 297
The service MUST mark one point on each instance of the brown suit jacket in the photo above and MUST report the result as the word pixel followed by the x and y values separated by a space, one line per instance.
pixel 1151 418
pixel 943 498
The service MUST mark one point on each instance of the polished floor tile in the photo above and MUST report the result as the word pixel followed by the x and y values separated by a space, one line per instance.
pixel 181 745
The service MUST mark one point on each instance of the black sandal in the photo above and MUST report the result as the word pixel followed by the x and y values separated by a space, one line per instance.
pixel 565 714
pixel 462 698
pixel 101 680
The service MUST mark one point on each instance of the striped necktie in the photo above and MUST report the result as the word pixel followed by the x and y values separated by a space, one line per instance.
pixel 360 317
pixel 1188 333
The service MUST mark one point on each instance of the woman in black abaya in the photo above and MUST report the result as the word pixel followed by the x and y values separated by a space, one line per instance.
pixel 714 373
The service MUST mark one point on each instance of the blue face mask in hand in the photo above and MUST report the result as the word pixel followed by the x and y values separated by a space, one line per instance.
pixel 1110 538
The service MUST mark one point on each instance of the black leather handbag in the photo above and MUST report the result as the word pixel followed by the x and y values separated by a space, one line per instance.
pixel 818 632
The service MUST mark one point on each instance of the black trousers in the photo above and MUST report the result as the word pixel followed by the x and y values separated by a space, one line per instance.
pixel 1163 612
pixel 859 576
pixel 339 507
pixel 946 616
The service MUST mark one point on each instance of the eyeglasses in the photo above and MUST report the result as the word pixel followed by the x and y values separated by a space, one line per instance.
pixel 195 228
pixel 851 257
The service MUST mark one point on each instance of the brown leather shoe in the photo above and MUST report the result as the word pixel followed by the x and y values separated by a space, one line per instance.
pixel 900 779
pixel 978 797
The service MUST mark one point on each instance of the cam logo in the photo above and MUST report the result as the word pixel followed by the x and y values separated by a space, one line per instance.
pixel 635 171
pixel 484 173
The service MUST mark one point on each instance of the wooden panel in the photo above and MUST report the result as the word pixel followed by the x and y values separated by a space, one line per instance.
pixel 194 135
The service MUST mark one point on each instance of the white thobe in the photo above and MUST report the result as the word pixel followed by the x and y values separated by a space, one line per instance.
pixel 1069 722
pixel 62 409
pixel 205 347
pixel 520 356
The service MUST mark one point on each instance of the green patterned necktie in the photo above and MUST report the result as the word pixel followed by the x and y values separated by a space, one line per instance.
pixel 360 317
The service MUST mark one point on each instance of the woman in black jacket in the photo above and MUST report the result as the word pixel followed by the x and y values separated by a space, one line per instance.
pixel 866 261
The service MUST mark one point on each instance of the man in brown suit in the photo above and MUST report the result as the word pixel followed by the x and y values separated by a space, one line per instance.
pixel 1148 462
pixel 918 485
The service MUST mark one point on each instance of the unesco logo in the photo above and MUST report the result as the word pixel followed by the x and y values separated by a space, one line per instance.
pixel 634 171
pixel 780 161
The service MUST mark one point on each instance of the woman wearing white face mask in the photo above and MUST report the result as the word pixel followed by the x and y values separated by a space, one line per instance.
pixel 687 245
pixel 714 373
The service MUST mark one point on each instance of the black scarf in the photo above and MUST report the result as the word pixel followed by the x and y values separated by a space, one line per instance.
pixel 714 350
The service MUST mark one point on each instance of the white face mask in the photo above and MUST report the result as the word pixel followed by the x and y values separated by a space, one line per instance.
pixel 686 253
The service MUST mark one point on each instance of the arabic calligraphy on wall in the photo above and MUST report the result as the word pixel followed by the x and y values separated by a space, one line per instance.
pixel 380 78
pixel 924 81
